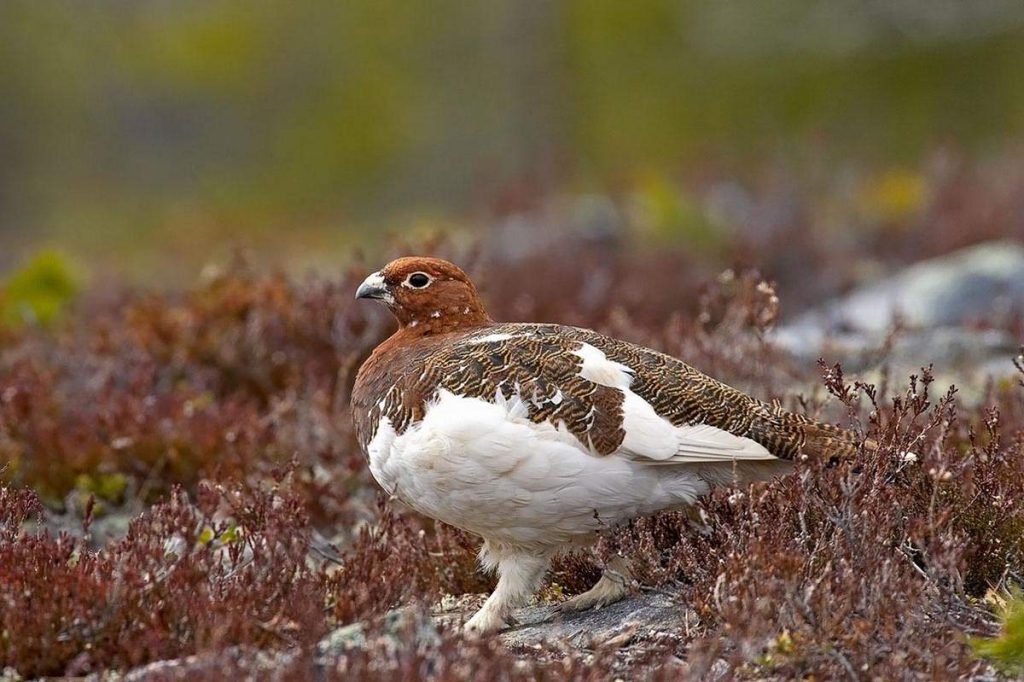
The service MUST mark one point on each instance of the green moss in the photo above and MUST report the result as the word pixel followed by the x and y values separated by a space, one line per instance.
pixel 39 291
pixel 1006 651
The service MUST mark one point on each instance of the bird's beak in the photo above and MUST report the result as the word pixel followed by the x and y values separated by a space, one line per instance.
pixel 372 287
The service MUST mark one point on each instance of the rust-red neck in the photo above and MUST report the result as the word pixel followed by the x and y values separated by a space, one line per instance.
pixel 442 321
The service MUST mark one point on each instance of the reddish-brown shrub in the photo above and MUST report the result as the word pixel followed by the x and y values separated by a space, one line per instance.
pixel 229 569
pixel 237 392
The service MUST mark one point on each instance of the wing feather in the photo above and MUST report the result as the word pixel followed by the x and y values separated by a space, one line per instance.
pixel 619 398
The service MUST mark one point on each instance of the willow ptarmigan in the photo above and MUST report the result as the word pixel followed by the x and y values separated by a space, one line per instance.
pixel 535 436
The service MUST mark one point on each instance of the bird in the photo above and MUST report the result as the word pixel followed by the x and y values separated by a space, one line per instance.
pixel 536 437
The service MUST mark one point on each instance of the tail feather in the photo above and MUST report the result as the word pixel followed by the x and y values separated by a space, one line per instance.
pixel 826 440
pixel 789 435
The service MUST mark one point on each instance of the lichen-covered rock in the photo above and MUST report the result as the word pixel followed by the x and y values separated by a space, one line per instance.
pixel 981 282
pixel 923 315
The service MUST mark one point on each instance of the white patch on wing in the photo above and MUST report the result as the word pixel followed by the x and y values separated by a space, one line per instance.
pixel 555 399
pixel 515 406
pixel 649 436
pixel 599 369
pixel 706 443
pixel 490 338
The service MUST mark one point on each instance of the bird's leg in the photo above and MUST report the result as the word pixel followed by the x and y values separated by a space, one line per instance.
pixel 616 583
pixel 519 576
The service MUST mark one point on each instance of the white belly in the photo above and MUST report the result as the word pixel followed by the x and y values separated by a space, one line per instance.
pixel 487 468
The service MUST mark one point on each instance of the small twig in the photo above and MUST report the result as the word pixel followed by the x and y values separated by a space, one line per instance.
pixel 845 662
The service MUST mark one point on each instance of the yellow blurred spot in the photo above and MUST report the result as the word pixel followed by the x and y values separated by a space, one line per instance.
pixel 660 210
pixel 109 487
pixel 784 642
pixel 995 598
pixel 206 536
pixel 894 195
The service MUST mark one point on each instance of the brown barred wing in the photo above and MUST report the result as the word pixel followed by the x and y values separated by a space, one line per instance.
pixel 686 396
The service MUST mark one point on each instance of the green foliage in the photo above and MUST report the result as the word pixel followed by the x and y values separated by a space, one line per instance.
pixel 1006 650
pixel 39 291
pixel 109 487
pixel 662 212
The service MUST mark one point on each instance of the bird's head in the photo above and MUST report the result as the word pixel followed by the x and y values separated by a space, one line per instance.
pixel 428 295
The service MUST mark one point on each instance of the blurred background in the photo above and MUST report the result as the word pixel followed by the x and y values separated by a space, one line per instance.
pixel 143 139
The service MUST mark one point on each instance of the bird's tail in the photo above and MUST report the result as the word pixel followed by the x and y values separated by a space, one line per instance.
pixel 827 440
pixel 789 435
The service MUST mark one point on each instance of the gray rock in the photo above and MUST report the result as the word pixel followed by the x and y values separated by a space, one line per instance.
pixel 626 625
pixel 397 627
pixel 932 301
pixel 966 358
pixel 650 612
pixel 639 617
pixel 981 282
pixel 944 347
pixel 112 524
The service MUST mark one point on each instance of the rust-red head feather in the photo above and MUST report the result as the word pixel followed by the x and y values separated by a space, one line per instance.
pixel 426 295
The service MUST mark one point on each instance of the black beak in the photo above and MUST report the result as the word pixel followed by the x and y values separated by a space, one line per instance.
pixel 372 287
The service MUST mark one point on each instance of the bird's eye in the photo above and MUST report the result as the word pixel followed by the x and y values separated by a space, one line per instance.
pixel 418 280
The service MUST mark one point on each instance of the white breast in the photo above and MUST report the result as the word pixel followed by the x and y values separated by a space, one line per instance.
pixel 485 467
